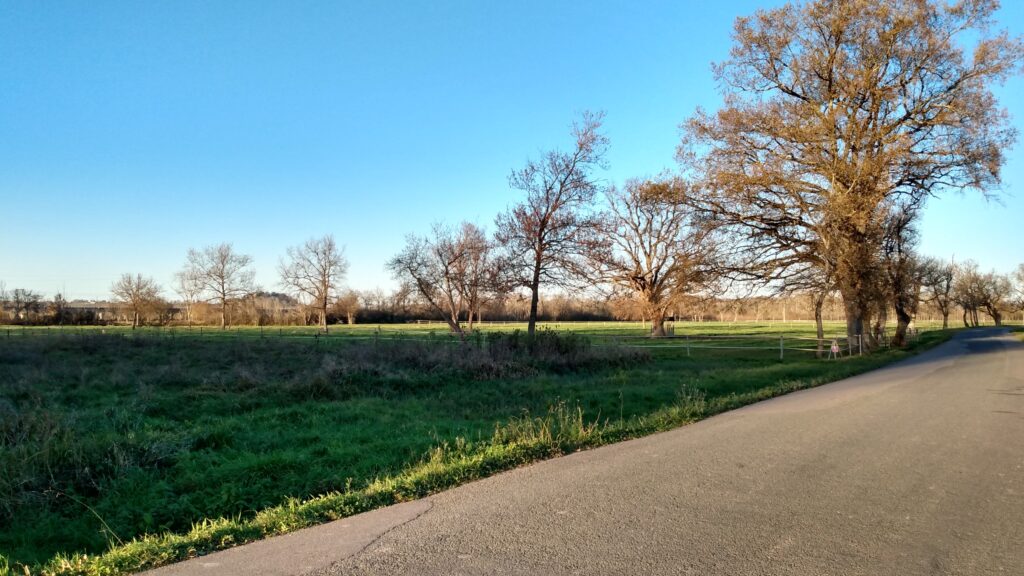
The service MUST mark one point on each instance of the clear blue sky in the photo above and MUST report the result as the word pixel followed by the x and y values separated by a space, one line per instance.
pixel 130 131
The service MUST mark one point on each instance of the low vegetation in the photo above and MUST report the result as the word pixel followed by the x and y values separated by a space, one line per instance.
pixel 118 453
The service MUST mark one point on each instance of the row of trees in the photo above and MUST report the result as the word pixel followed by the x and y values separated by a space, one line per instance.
pixel 220 275
pixel 944 289
pixel 840 120
pixel 572 233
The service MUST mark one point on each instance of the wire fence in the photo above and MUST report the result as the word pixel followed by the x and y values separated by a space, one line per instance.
pixel 760 344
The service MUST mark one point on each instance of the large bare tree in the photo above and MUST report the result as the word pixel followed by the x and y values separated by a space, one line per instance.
pixel 652 247
pixel 313 271
pixel 224 274
pixel 835 112
pixel 137 292
pixel 546 233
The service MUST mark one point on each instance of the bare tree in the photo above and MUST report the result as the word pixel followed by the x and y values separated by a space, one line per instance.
pixel 313 271
pixel 223 274
pixel 431 267
pixel 347 304
pixel 996 296
pixel 937 283
pixel 481 275
pixel 59 309
pixel 652 247
pixel 903 270
pixel 837 111
pixel 1018 278
pixel 968 292
pixel 189 287
pixel 975 291
pixel 25 303
pixel 545 234
pixel 3 300
pixel 137 293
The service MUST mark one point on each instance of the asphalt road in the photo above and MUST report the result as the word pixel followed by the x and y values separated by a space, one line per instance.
pixel 913 469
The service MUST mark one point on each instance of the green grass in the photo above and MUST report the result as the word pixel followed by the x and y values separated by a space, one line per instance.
pixel 123 453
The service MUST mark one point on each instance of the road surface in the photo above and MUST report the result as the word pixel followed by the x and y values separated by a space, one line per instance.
pixel 917 468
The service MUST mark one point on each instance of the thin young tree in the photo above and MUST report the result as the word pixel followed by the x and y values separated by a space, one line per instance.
pixel 137 293
pixel 815 280
pixel 224 275
pixel 58 309
pixel 313 271
pixel 190 288
pixel 653 248
pixel 835 111
pixel 546 234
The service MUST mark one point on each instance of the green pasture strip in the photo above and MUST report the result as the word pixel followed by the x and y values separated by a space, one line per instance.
pixel 203 444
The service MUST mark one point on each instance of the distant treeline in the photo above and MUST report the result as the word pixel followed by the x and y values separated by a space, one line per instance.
pixel 402 307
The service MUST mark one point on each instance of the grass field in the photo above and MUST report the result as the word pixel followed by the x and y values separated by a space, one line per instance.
pixel 203 441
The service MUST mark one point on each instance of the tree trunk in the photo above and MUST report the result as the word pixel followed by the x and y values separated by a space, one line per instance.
pixel 997 317
pixel 531 327
pixel 454 326
pixel 657 325
pixel 903 319
pixel 819 326
pixel 135 319
pixel 877 333
pixel 945 319
pixel 856 315
pixel 350 318
pixel 323 316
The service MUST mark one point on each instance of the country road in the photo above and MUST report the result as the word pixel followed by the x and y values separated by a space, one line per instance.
pixel 917 468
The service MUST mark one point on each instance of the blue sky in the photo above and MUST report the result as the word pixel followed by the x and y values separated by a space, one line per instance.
pixel 131 131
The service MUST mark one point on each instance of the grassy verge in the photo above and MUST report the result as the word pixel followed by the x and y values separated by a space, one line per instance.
pixel 530 419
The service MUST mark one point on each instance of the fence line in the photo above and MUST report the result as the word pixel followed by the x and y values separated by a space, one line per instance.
pixel 831 346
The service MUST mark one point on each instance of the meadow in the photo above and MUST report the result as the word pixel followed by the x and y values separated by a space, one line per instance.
pixel 123 449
